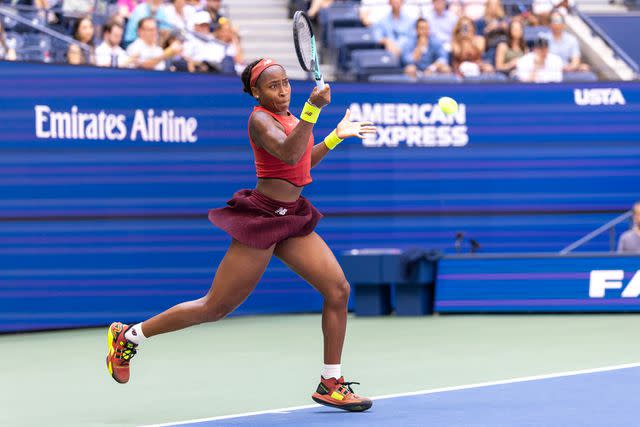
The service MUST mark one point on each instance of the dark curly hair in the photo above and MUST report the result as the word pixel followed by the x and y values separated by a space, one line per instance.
pixel 246 76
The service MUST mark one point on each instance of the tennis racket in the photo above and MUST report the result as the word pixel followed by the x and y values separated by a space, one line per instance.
pixel 305 43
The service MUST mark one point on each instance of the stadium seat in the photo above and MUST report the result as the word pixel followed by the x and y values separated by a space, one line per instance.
pixel 14 40
pixel 35 55
pixel 13 25
pixel 368 62
pixel 59 50
pixel 349 39
pixel 582 76
pixel 36 41
pixel 342 16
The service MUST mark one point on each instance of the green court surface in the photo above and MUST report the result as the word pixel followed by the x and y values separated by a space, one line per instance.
pixel 246 364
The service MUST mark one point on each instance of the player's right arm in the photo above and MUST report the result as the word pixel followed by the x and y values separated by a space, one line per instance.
pixel 269 134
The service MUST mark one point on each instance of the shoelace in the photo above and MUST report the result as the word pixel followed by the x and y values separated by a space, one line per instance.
pixel 127 354
pixel 348 386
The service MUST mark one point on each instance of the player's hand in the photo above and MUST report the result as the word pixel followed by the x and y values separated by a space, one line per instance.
pixel 347 128
pixel 320 98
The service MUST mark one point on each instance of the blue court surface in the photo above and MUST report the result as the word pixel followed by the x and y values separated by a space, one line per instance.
pixel 599 397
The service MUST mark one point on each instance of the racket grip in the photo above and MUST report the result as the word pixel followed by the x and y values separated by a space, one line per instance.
pixel 320 83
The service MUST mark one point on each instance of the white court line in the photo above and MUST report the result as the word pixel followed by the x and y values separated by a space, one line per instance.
pixel 415 393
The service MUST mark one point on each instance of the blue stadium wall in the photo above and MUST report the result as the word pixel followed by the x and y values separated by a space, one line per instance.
pixel 100 226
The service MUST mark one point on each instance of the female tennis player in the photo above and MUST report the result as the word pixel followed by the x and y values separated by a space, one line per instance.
pixel 272 219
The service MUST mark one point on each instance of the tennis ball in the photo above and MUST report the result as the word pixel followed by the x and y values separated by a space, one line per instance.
pixel 448 105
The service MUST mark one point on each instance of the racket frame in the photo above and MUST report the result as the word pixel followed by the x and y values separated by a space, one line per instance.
pixel 315 63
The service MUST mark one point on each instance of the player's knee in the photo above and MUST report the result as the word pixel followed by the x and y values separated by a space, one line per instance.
pixel 212 312
pixel 339 293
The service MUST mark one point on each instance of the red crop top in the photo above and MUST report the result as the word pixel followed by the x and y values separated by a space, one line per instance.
pixel 268 166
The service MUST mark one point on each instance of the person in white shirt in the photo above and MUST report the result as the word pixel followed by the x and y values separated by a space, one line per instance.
pixel 372 11
pixel 179 14
pixel 441 22
pixel 565 45
pixel 542 9
pixel 539 66
pixel 109 53
pixel 146 50
pixel 204 51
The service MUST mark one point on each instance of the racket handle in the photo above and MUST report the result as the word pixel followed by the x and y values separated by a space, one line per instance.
pixel 320 83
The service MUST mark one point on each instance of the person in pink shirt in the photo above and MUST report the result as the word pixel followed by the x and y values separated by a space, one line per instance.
pixel 125 7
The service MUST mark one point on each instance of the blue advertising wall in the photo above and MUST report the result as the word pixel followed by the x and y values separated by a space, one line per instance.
pixel 538 283
pixel 87 221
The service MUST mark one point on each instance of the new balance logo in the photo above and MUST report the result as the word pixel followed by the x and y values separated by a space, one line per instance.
pixel 281 211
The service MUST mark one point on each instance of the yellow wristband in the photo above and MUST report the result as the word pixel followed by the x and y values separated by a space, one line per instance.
pixel 332 140
pixel 310 113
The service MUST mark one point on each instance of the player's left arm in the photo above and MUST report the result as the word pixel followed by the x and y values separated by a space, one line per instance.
pixel 345 129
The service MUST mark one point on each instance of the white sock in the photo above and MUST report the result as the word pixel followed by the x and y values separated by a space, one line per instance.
pixel 331 371
pixel 134 334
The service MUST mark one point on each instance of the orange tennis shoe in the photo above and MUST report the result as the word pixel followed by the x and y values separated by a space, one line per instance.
pixel 120 353
pixel 337 393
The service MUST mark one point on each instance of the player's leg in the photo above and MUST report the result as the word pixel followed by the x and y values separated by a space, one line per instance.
pixel 312 259
pixel 236 277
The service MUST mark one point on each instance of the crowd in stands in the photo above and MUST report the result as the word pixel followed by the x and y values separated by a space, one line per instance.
pixel 185 35
pixel 469 38
pixel 463 38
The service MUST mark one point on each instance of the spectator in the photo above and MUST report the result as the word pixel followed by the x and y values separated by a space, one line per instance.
pixel 467 48
pixel 83 31
pixel 126 8
pixel 466 28
pixel 6 52
pixel 179 14
pixel 213 8
pixel 629 242
pixel 148 9
pixel 473 9
pixel 442 22
pixel 234 52
pixel 71 9
pixel 204 52
pixel 46 15
pixel 373 11
pixel 565 45
pixel 177 62
pixel 467 58
pixel 508 53
pixel 539 66
pixel 395 30
pixel 316 6
pixel 109 53
pixel 425 54
pixel 146 50
pixel 493 26
pixel 542 9
pixel 197 4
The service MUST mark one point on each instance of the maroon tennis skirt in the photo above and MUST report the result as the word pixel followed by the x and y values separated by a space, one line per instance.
pixel 260 222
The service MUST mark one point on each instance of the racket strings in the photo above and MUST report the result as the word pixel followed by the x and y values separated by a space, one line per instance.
pixel 304 42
